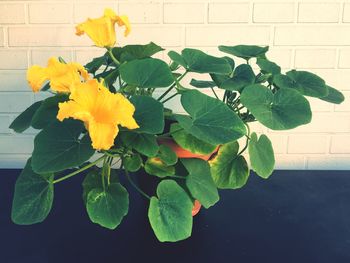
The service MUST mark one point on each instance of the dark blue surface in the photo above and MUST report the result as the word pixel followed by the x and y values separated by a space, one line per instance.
pixel 295 216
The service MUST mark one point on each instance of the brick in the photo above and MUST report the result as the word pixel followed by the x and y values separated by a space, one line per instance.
pixel 14 80
pixel 279 143
pixel 12 14
pixel 85 56
pixel 336 78
pixel 344 58
pixel 319 105
pixel 315 58
pixel 92 10
pixel 15 102
pixel 280 56
pixel 141 12
pixel 289 162
pixel 227 35
pixel 13 161
pixel 2 37
pixel 273 12
pixel 345 106
pixel 307 144
pixel 228 12
pixel 4 124
pixel 40 36
pixel 340 144
pixel 319 12
pixel 328 163
pixel 346 14
pixel 16 144
pixel 40 57
pixel 301 35
pixel 184 13
pixel 13 59
pixel 50 13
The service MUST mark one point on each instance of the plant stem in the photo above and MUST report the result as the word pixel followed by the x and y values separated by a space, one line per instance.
pixel 172 86
pixel 135 186
pixel 247 141
pixel 78 171
pixel 212 89
pixel 172 96
pixel 113 57
pixel 170 133
pixel 177 176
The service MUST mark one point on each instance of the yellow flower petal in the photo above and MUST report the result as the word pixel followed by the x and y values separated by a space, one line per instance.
pixel 124 21
pixel 102 134
pixel 125 110
pixel 36 76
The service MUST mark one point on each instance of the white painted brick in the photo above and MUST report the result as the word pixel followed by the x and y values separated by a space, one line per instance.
pixel 344 58
pixel 16 144
pixel 346 14
pixel 12 13
pixel 15 102
pixel 141 12
pixel 184 13
pixel 85 56
pixel 2 37
pixel 40 57
pixel 328 163
pixel 13 80
pixel 13 161
pixel 301 35
pixel 41 96
pixel 227 35
pixel 40 36
pixel 340 144
pixel 279 142
pixel 13 59
pixel 338 79
pixel 307 144
pixel 50 13
pixel 289 162
pixel 319 105
pixel 345 106
pixel 280 56
pixel 273 12
pixel 319 12
pixel 315 58
pixel 4 124
pixel 228 12
pixel 82 11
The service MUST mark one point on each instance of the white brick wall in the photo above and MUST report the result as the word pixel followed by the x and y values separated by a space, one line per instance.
pixel 312 35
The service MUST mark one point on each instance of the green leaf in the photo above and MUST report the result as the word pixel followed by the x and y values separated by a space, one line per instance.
pixel 167 155
pixel 267 66
pixel 155 166
pixel 131 52
pixel 149 114
pixel 33 197
pixel 111 78
pixel 145 144
pixel 334 96
pixel 47 111
pixel 146 73
pixel 22 122
pixel 210 119
pixel 200 182
pixel 242 76
pixel 202 83
pixel 59 147
pixel 177 58
pixel 107 206
pixel 189 142
pixel 133 163
pixel 286 109
pixel 229 170
pixel 95 64
pixel 262 158
pixel 170 214
pixel 245 51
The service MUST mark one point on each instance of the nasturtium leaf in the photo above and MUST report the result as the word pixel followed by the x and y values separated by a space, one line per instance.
pixel 242 76
pixel 230 61
pixel 177 58
pixel 23 121
pixel 110 78
pixel 189 142
pixel 132 163
pixel 96 63
pixel 146 73
pixel 210 120
pixel 107 206
pixel 47 111
pixel 262 158
pixel 131 52
pixel 268 66
pixel 33 196
pixel 155 166
pixel 245 51
pixel 167 155
pixel 59 147
pixel 145 144
pixel 170 213
pixel 202 83
pixel 334 96
pixel 229 170
pixel 149 114
pixel 283 110
pixel 200 183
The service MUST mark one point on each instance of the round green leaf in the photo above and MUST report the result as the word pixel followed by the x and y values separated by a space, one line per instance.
pixel 155 166
pixel 146 73
pixel 132 163
pixel 229 170
pixel 267 66
pixel 23 121
pixel 202 84
pixel 262 158
pixel 33 197
pixel 334 96
pixel 177 58
pixel 242 76
pixel 170 214
pixel 245 51
pixel 59 147
pixel 210 119
pixel 145 144
pixel 283 110
pixel 200 183
pixel 167 155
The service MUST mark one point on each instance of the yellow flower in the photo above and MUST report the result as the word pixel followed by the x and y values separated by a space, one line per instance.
pixel 61 76
pixel 102 30
pixel 100 110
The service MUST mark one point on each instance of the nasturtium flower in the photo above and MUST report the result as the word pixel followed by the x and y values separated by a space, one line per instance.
pixel 100 110
pixel 61 76
pixel 102 30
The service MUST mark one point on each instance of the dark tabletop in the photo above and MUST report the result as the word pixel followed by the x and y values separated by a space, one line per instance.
pixel 295 216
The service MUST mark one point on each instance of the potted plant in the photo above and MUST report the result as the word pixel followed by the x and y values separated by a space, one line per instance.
pixel 104 120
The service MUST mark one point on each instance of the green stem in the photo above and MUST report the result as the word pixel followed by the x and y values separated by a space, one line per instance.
pixel 170 133
pixel 247 141
pixel 78 171
pixel 135 186
pixel 172 86
pixel 116 61
pixel 177 176
pixel 212 89
pixel 172 96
